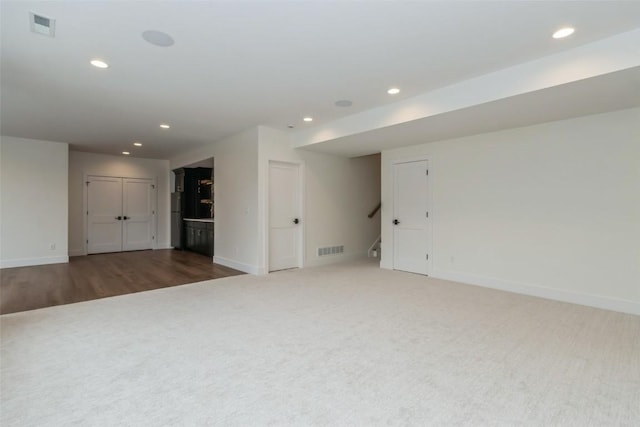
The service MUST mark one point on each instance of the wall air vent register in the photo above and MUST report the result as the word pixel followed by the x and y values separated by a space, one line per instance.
pixel 331 250
pixel 42 25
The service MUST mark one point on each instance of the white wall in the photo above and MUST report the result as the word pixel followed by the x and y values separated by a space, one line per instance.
pixel 235 163
pixel 339 193
pixel 551 210
pixel 190 157
pixel 33 202
pixel 81 164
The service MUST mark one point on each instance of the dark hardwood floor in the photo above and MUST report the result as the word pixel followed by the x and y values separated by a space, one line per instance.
pixel 104 275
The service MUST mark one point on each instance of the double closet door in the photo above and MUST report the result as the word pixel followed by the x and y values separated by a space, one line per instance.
pixel 120 214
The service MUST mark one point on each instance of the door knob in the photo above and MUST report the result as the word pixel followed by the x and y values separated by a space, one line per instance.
pixel 119 218
pixel 296 221
pixel 396 222
pixel 126 217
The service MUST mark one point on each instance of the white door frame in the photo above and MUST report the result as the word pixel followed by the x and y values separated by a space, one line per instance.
pixel 301 233
pixel 429 202
pixel 85 207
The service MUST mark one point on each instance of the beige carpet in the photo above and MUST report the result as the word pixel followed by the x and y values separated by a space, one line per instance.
pixel 345 345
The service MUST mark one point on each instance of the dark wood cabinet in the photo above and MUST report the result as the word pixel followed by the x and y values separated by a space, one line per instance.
pixel 205 198
pixel 189 236
pixel 198 185
pixel 199 237
pixel 190 194
pixel 195 186
pixel 210 239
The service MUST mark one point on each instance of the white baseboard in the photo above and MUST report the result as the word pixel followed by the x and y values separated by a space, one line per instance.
pixel 333 259
pixel 82 252
pixel 314 262
pixel 247 268
pixel 27 262
pixel 590 300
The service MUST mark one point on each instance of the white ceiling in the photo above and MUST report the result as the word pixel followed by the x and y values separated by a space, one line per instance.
pixel 235 65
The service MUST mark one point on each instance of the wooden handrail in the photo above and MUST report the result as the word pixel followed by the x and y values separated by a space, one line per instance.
pixel 373 212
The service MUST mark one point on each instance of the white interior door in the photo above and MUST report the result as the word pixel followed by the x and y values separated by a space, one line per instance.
pixel 137 196
pixel 120 213
pixel 104 214
pixel 410 210
pixel 284 216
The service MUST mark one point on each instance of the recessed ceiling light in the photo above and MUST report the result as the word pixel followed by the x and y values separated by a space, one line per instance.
pixel 343 103
pixel 563 32
pixel 126 153
pixel 393 91
pixel 158 38
pixel 308 119
pixel 138 144
pixel 165 126
pixel 98 63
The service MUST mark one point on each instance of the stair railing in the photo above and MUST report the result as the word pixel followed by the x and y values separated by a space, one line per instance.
pixel 375 210
pixel 374 249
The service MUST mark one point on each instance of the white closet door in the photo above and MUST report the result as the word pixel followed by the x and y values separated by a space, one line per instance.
pixel 104 214
pixel 410 207
pixel 284 216
pixel 137 214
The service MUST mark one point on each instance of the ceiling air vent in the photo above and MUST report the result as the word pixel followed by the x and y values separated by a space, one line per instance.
pixel 42 25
